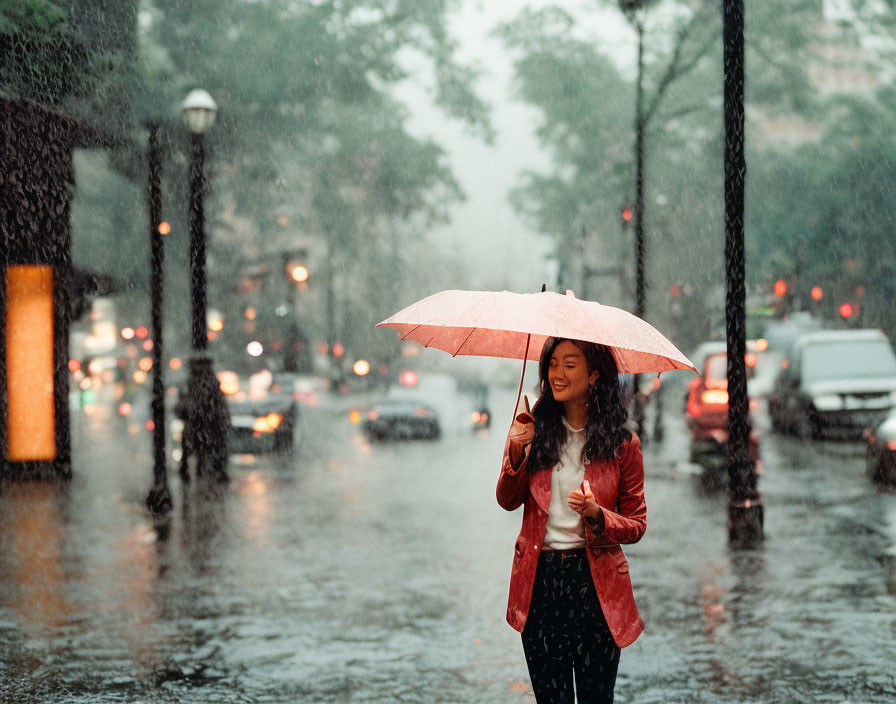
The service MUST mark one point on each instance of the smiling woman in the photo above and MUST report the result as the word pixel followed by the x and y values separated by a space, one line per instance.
pixel 578 473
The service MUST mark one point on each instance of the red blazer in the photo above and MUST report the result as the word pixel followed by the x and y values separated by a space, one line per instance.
pixel 618 486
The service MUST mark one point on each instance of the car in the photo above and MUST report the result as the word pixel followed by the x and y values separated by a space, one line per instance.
pixel 402 419
pixel 706 414
pixel 881 450
pixel 834 382
pixel 262 418
pixel 480 416
pixel 757 359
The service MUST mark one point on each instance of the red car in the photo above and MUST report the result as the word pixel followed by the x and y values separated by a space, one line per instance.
pixel 706 413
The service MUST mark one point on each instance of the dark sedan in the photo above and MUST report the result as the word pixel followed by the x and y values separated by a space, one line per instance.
pixel 402 419
pixel 262 424
pixel 263 417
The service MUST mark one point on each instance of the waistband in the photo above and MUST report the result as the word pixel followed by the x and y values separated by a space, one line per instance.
pixel 561 555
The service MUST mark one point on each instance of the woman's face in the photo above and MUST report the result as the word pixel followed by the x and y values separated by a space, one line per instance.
pixel 568 373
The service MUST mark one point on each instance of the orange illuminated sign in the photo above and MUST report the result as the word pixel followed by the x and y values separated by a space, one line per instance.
pixel 30 411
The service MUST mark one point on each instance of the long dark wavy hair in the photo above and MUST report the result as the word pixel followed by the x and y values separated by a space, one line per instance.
pixel 605 430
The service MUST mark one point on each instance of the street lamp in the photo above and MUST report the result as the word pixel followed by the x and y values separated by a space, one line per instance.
pixel 206 419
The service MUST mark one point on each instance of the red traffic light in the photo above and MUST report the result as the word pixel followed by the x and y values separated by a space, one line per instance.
pixel 817 293
pixel 780 288
pixel 846 310
pixel 626 214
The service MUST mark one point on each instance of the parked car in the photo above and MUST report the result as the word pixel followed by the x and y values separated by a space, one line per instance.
pixel 402 419
pixel 706 415
pixel 881 458
pixel 839 381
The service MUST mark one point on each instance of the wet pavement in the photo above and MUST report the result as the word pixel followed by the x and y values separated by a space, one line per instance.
pixel 352 572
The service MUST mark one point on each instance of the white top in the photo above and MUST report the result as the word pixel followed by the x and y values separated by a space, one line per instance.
pixel 566 529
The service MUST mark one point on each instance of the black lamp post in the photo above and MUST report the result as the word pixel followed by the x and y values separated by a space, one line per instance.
pixel 745 512
pixel 159 498
pixel 631 8
pixel 206 419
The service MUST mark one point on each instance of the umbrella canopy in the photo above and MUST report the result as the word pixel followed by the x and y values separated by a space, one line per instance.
pixel 516 325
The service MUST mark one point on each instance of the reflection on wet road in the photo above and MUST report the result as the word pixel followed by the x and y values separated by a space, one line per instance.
pixel 359 573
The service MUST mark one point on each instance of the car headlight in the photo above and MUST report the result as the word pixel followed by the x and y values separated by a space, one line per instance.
pixel 827 402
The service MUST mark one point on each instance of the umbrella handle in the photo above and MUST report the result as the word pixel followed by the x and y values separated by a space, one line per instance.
pixel 522 376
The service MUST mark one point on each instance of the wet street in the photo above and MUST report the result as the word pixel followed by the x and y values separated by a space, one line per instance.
pixel 353 572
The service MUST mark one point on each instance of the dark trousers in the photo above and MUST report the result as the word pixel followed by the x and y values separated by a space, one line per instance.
pixel 566 635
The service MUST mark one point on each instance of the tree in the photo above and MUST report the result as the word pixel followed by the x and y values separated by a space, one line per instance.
pixel 570 74
pixel 308 129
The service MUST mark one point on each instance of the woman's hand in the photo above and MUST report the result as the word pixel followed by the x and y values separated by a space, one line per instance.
pixel 582 501
pixel 521 433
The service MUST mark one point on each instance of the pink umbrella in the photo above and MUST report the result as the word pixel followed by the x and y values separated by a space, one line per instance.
pixel 516 325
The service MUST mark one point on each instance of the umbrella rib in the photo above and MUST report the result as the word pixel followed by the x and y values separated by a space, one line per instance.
pixel 460 346
pixel 409 332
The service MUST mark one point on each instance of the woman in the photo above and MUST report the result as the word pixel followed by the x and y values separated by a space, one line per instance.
pixel 578 473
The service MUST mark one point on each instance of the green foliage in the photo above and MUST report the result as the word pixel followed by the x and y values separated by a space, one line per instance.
pixel 41 56
pixel 588 124
pixel 826 217
pixel 308 129
pixel 580 94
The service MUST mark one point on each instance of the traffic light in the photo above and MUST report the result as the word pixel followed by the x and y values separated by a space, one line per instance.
pixel 780 288
pixel 627 215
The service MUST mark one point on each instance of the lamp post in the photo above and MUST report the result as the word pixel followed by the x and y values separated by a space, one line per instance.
pixel 630 8
pixel 745 511
pixel 206 419
pixel 159 499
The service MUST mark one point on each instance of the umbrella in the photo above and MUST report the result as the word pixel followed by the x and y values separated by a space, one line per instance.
pixel 516 325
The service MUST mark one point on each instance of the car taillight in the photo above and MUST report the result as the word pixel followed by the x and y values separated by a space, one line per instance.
pixel 475 416
pixel 891 445
pixel 714 397
pixel 372 415
pixel 268 423
pixel 422 412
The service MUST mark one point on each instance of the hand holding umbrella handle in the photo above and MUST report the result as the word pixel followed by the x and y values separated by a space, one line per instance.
pixel 521 433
